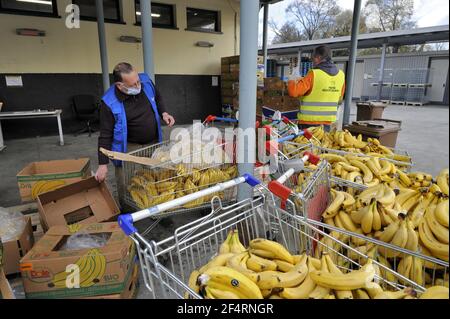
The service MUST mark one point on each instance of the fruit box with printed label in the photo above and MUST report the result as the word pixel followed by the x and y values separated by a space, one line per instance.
pixel 49 270
pixel 40 177
pixel 15 249
pixel 83 202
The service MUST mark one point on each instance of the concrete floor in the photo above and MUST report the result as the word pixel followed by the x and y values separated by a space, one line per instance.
pixel 424 134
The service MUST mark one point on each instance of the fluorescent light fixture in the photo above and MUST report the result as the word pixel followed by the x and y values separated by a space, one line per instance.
pixel 48 3
pixel 154 15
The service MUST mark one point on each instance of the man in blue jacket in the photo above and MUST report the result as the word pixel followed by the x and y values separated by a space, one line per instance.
pixel 130 118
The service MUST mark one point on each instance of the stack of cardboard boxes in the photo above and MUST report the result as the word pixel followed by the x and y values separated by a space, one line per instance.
pixel 57 266
pixel 230 83
pixel 276 97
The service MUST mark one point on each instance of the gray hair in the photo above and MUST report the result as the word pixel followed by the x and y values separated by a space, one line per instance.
pixel 121 68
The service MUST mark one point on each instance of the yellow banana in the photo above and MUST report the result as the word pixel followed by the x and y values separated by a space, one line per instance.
pixel 439 231
pixel 442 181
pixel 303 290
pixel 259 264
pixel 437 249
pixel 441 213
pixel 435 292
pixel 275 279
pixel 368 175
pixel 219 260
pixel 277 249
pixel 334 207
pixel 193 283
pixel 225 246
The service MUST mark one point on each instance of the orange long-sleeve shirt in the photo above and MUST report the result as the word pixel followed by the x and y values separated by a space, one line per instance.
pixel 303 86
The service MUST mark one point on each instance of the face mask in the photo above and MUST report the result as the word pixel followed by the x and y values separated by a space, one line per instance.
pixel 132 91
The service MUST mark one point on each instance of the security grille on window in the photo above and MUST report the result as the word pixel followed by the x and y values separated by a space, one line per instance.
pixel 203 20
pixel 88 11
pixel 163 15
pixel 29 7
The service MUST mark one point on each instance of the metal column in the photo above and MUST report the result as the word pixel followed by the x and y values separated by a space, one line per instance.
pixel 299 63
pixel 380 79
pixel 352 61
pixel 265 35
pixel 102 43
pixel 147 37
pixel 247 91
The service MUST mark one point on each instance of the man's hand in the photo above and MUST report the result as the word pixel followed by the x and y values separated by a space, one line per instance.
pixel 170 121
pixel 101 173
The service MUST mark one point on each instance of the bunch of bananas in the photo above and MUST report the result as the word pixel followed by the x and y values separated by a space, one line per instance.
pixel 414 219
pixel 92 266
pixel 152 187
pixel 345 141
pixel 45 186
pixel 267 270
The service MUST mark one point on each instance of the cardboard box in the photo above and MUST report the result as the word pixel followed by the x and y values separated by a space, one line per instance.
pixel 44 267
pixel 14 250
pixel 273 102
pixel 6 291
pixel 228 92
pixel 84 202
pixel 130 290
pixel 227 84
pixel 273 84
pixel 291 103
pixel 234 68
pixel 230 76
pixel 225 68
pixel 39 177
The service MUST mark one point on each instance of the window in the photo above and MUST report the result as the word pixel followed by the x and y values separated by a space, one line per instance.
pixel 163 15
pixel 46 8
pixel 111 10
pixel 203 20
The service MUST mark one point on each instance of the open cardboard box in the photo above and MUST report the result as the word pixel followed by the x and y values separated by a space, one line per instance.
pixel 102 271
pixel 15 249
pixel 39 177
pixel 83 202
pixel 5 289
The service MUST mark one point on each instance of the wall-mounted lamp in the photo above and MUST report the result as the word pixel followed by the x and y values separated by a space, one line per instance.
pixel 204 44
pixel 31 32
pixel 130 39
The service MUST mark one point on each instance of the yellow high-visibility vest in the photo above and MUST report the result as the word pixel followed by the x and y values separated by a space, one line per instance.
pixel 320 106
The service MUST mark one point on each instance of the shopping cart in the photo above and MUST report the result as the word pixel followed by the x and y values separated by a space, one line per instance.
pixel 433 269
pixel 166 265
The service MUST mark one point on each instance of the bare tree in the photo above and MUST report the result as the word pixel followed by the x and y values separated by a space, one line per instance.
pixel 390 15
pixel 314 16
pixel 288 32
pixel 343 24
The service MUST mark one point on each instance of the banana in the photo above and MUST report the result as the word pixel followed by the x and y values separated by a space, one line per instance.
pixel 219 260
pixel 275 279
pixel 401 294
pixel 350 281
pixel 436 248
pixel 441 213
pixel 357 215
pixel 435 292
pixel 334 207
pixel 439 231
pixel 332 158
pixel 238 262
pixel 348 167
pixel 277 249
pixel 367 220
pixel 388 197
pixel 283 266
pixel 442 181
pixel 303 290
pixel 399 239
pixel 220 294
pixel 404 178
pixel 356 240
pixel 417 271
pixel 376 222
pixel 259 264
pixel 404 266
pixel 404 195
pixel 340 294
pixel 435 189
pixel 225 246
pixel 368 194
pixel 263 253
pixel 361 294
pixel 348 201
pixel 412 202
pixel 347 221
pixel 374 290
pixel 386 273
pixel 233 280
pixel 321 292
pixel 413 239
pixel 329 221
pixel 368 175
pixel 236 246
pixel 193 283
pixel 389 232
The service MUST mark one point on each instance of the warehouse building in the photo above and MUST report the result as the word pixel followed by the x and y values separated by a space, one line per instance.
pixel 189 39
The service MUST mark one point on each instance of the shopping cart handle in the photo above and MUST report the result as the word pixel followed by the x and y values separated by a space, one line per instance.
pixel 313 159
pixel 126 221
pixel 210 118
pixel 280 190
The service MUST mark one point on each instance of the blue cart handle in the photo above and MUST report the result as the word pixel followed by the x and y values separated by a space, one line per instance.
pixel 126 221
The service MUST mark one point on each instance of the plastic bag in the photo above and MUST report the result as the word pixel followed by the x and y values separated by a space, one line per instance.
pixel 85 241
pixel 11 225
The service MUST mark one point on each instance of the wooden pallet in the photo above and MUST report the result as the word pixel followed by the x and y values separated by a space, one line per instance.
pixel 398 102
pixel 415 103
pixel 31 210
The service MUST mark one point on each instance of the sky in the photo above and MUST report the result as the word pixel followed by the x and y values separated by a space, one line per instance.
pixel 427 12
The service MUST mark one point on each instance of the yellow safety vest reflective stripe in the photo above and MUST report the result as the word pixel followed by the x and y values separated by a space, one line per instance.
pixel 320 106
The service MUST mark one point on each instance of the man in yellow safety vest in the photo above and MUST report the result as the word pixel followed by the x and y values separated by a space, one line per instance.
pixel 320 91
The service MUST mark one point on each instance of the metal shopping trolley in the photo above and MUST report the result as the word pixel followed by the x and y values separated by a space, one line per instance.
pixel 166 265
pixel 433 270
